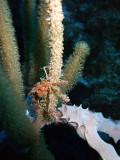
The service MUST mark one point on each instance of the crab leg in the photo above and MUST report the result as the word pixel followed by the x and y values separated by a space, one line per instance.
pixel 50 107
pixel 45 71
pixel 60 83
pixel 65 98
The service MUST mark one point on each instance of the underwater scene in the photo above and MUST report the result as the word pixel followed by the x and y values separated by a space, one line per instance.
pixel 59 79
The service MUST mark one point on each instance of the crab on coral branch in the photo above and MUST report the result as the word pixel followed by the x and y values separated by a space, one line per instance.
pixel 46 87
pixel 88 125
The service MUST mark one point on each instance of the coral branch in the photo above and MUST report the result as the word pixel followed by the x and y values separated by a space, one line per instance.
pixel 12 115
pixel 29 20
pixel 74 66
pixel 9 56
pixel 55 32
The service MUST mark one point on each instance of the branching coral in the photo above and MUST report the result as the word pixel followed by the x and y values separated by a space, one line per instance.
pixel 47 92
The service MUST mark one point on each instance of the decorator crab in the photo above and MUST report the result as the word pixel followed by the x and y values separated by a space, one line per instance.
pixel 46 88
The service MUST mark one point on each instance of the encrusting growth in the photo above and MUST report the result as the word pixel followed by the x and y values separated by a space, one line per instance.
pixel 88 125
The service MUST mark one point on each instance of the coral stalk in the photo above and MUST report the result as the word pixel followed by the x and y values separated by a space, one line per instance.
pixel 75 64
pixel 9 55
pixel 12 117
pixel 41 54
pixel 56 38
pixel 28 15
pixel 52 38
pixel 55 43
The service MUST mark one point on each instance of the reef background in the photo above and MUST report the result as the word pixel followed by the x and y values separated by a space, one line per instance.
pixel 97 23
